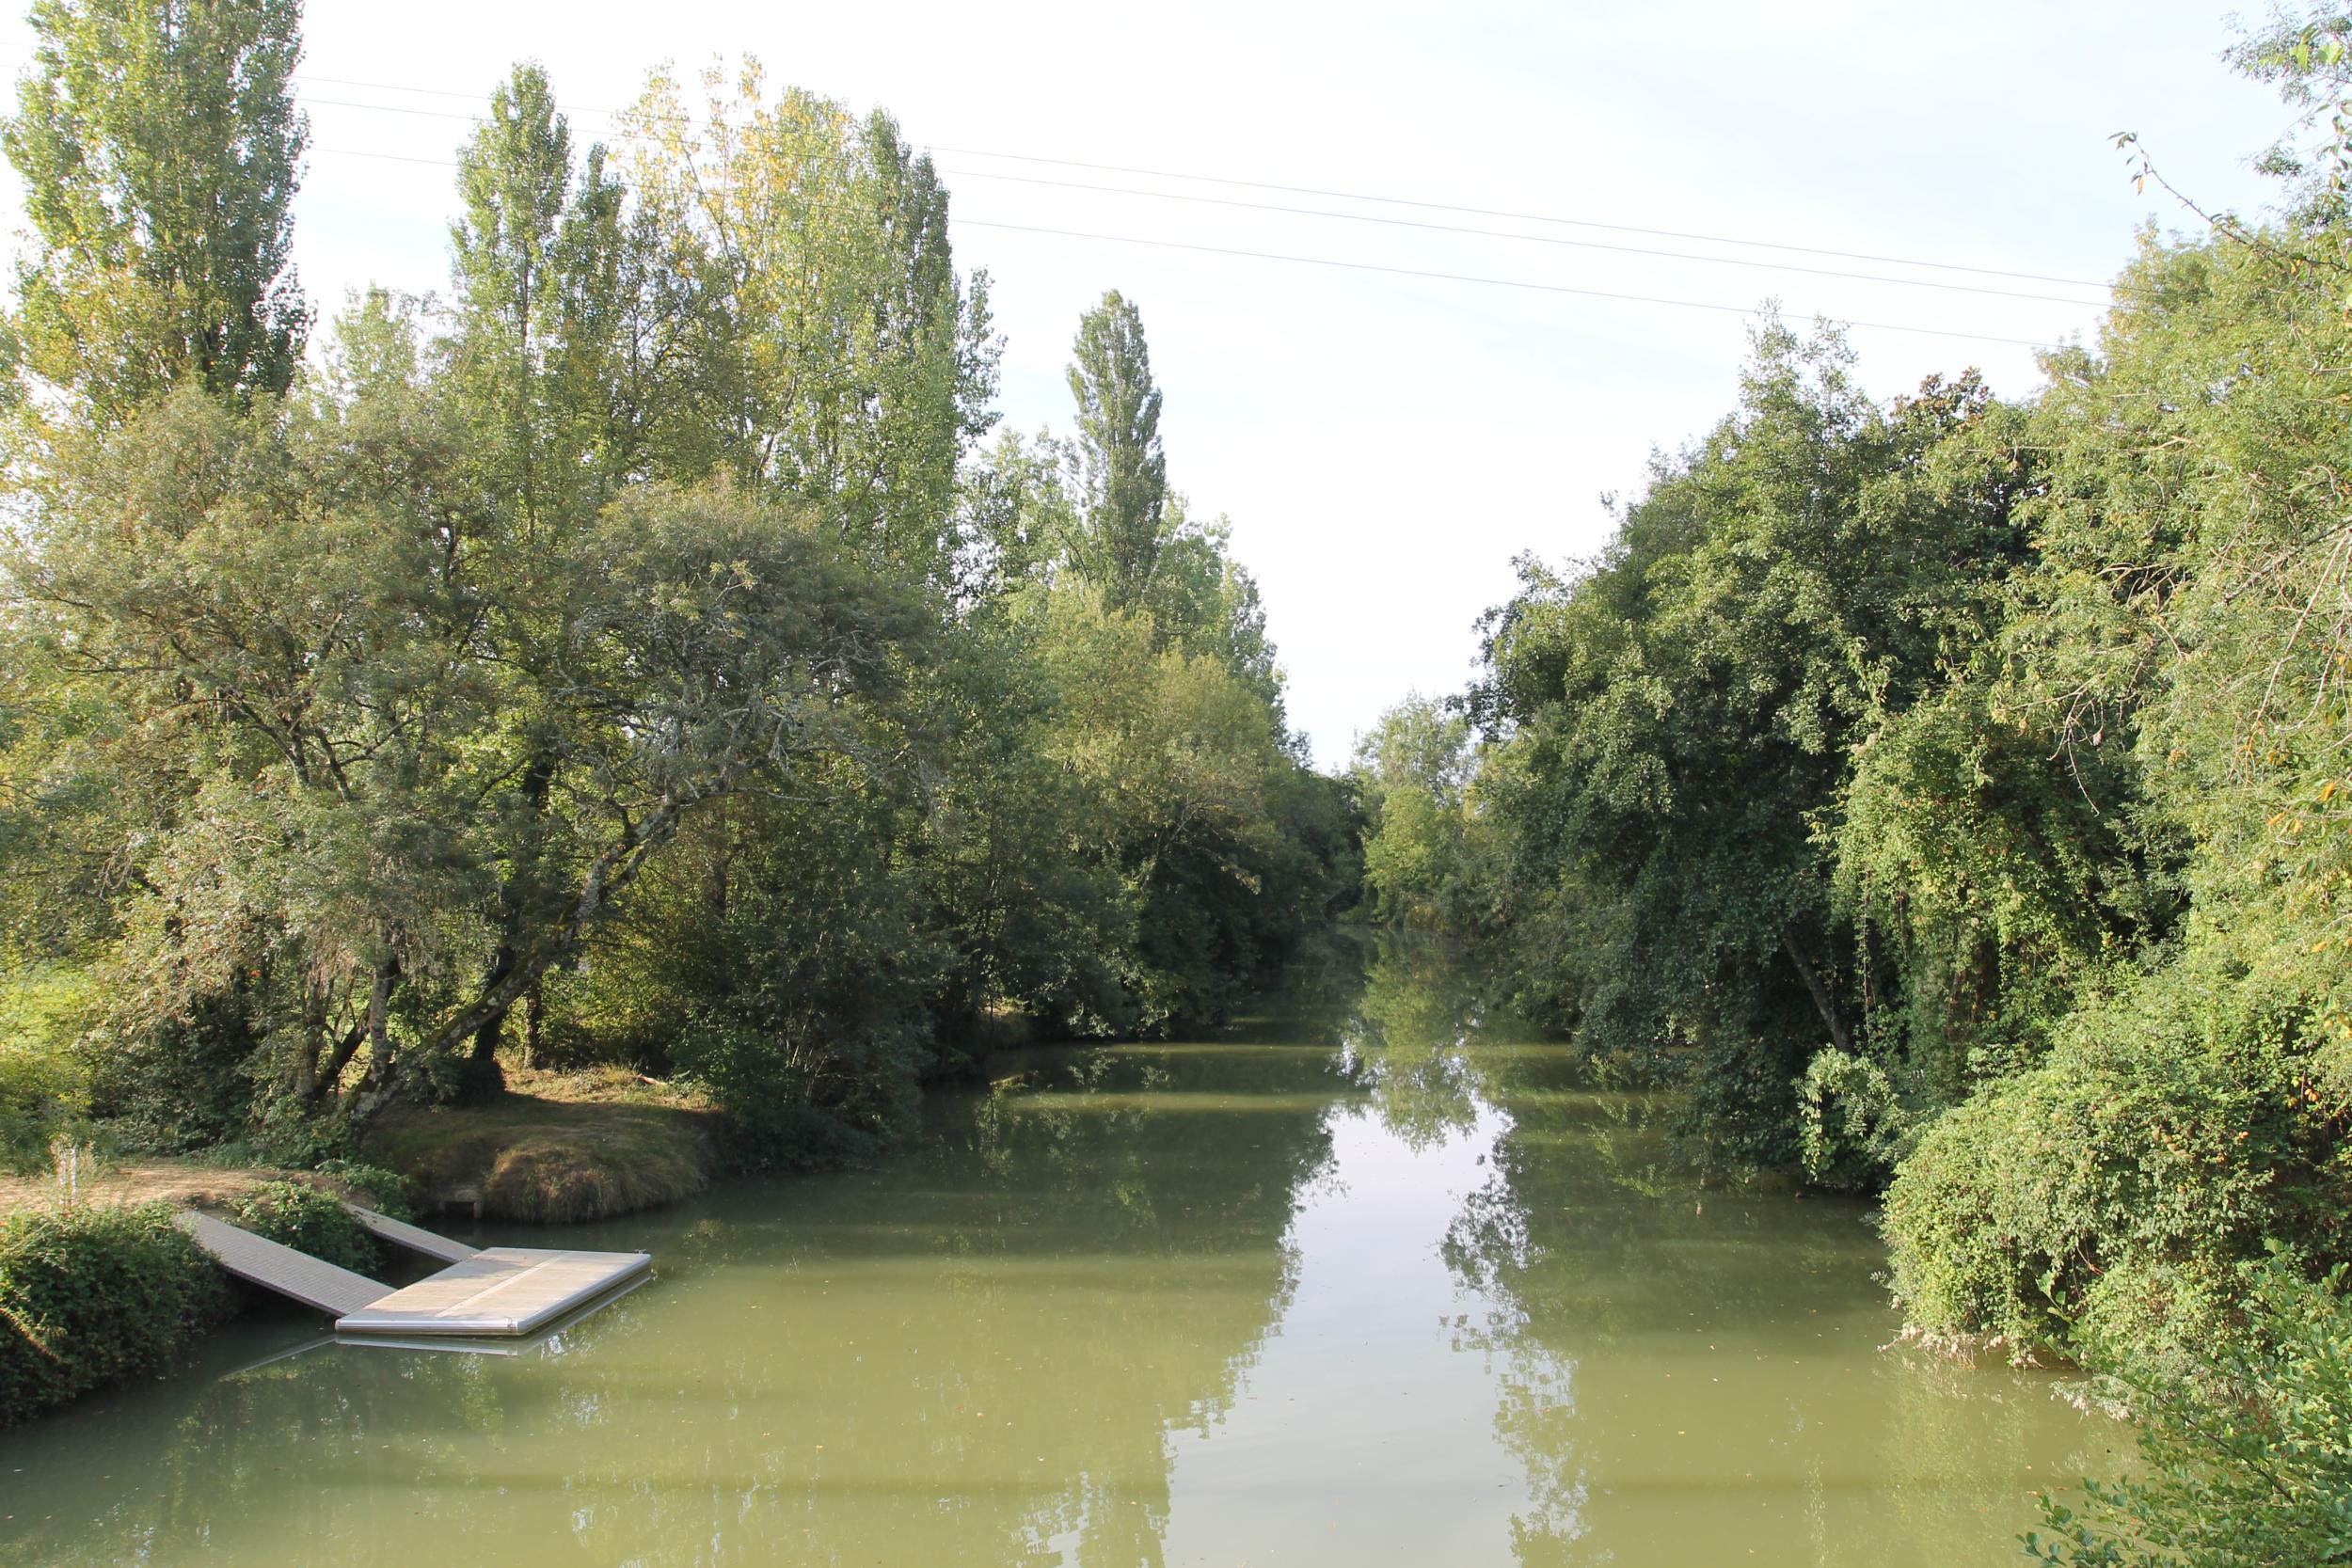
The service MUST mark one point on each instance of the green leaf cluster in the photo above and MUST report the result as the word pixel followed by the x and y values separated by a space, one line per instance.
pixel 1953 796
pixel 91 1296
pixel 632 656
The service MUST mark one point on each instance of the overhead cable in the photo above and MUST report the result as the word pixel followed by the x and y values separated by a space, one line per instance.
pixel 1268 185
pixel 962 221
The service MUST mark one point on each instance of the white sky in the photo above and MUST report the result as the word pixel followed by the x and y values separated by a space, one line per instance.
pixel 1385 445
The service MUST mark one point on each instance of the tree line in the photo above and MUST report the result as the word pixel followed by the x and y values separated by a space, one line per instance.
pixel 1953 799
pixel 646 651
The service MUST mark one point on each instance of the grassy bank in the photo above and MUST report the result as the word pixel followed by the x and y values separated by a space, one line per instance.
pixel 98 1286
pixel 99 1290
pixel 557 1148
pixel 181 1182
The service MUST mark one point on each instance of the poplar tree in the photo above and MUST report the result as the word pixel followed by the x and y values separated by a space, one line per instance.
pixel 160 148
pixel 513 178
pixel 1121 471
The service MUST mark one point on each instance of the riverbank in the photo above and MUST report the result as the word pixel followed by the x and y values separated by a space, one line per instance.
pixel 558 1147
pixel 98 1287
pixel 182 1182
pixel 1357 1278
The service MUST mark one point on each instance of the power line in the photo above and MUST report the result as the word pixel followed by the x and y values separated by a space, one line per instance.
pixel 1363 266
pixel 1288 190
pixel 1523 217
pixel 1531 239
pixel 1467 278
pixel 1404 223
pixel 387 157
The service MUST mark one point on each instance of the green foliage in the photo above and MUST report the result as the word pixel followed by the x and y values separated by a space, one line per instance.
pixel 94 1296
pixel 1426 857
pixel 627 645
pixel 1121 473
pixel 2114 1183
pixel 805 970
pixel 386 1191
pixel 308 1220
pixel 159 146
pixel 1854 1122
pixel 1955 791
pixel 44 1087
pixel 1671 730
pixel 2246 1461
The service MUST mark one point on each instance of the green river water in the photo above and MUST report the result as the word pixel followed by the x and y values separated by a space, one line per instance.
pixel 1355 1281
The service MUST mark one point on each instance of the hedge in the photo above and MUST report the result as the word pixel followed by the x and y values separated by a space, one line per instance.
pixel 91 1296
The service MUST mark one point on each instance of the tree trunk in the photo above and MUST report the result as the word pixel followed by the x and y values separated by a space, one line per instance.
pixel 480 1078
pixel 606 876
pixel 1820 993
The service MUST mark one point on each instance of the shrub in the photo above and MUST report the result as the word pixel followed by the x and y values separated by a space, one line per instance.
pixel 92 1296
pixel 386 1191
pixel 2246 1461
pixel 44 1088
pixel 1852 1123
pixel 2116 1186
pixel 309 1221
pixel 795 1138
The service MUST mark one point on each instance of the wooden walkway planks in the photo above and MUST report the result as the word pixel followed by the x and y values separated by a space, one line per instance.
pixel 312 1281
pixel 505 1292
pixel 500 1290
pixel 415 1238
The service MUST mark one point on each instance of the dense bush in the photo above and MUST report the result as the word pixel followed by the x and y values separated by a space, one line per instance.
pixel 386 1191
pixel 795 1138
pixel 92 1296
pixel 2246 1461
pixel 2116 1184
pixel 309 1221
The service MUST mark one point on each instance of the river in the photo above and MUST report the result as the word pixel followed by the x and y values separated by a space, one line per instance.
pixel 1357 1280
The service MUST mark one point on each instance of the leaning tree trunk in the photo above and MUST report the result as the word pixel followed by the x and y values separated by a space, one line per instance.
pixel 1821 1003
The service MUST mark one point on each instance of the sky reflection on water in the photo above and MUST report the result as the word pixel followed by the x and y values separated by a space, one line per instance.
pixel 1363 1282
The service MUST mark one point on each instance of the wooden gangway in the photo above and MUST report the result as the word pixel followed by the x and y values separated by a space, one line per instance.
pixel 274 1266
pixel 502 1291
pixel 414 1236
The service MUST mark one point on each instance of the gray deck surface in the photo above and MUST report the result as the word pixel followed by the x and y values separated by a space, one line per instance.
pixel 312 1281
pixel 415 1238
pixel 500 1290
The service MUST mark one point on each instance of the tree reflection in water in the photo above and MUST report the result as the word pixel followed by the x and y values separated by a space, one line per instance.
pixel 1377 1275
pixel 1690 1370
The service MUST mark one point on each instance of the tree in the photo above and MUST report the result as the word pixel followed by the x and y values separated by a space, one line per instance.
pixel 2246 1462
pixel 1416 768
pixel 1678 721
pixel 1121 473
pixel 829 351
pixel 160 150
pixel 515 179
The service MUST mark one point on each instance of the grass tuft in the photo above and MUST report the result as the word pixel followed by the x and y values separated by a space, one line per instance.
pixel 561 1147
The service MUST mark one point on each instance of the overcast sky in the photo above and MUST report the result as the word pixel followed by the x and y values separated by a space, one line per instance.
pixel 1385 445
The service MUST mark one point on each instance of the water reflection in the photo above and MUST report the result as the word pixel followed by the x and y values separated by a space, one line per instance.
pixel 1687 1374
pixel 1373 1279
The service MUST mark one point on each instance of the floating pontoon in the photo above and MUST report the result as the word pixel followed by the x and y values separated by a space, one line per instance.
pixel 500 1292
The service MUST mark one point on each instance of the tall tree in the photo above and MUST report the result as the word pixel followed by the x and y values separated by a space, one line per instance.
pixel 513 178
pixel 831 355
pixel 1122 472
pixel 160 148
